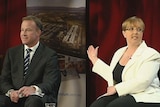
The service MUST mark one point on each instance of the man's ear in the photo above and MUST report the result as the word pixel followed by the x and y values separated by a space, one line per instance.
pixel 39 32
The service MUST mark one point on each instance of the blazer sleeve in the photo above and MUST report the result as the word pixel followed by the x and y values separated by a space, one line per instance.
pixel 102 69
pixel 105 70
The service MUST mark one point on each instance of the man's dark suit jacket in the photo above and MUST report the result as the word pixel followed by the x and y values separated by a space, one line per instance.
pixel 43 71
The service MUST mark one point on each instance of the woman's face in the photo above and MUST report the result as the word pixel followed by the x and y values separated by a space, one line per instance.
pixel 133 35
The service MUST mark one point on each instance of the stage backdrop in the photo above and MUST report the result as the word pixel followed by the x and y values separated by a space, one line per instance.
pixel 11 12
pixel 105 19
pixel 64 30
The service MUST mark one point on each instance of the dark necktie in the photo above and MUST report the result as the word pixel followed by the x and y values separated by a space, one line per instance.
pixel 27 61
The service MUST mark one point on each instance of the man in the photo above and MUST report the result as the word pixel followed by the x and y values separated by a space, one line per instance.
pixel 36 82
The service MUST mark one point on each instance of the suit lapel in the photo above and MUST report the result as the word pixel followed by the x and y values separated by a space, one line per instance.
pixel 19 57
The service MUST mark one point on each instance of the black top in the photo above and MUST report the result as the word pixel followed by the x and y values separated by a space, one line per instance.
pixel 117 73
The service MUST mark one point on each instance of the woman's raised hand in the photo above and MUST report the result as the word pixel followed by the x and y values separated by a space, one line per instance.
pixel 92 53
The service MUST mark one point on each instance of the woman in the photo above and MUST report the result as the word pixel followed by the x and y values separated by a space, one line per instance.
pixel 132 74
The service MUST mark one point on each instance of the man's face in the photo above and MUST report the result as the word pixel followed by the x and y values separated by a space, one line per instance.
pixel 29 34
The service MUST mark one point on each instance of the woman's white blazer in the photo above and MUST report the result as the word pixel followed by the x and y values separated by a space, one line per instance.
pixel 139 76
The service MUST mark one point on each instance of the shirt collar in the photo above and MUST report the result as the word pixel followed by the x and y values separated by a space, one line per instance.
pixel 33 48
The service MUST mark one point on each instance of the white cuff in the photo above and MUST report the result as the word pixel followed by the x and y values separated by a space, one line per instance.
pixel 9 92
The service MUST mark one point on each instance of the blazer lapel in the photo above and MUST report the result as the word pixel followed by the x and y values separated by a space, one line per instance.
pixel 135 57
pixel 117 57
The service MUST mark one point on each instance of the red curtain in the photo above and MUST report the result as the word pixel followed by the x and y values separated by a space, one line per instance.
pixel 105 19
pixel 11 12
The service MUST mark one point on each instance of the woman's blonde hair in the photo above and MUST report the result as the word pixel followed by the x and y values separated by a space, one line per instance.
pixel 133 22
